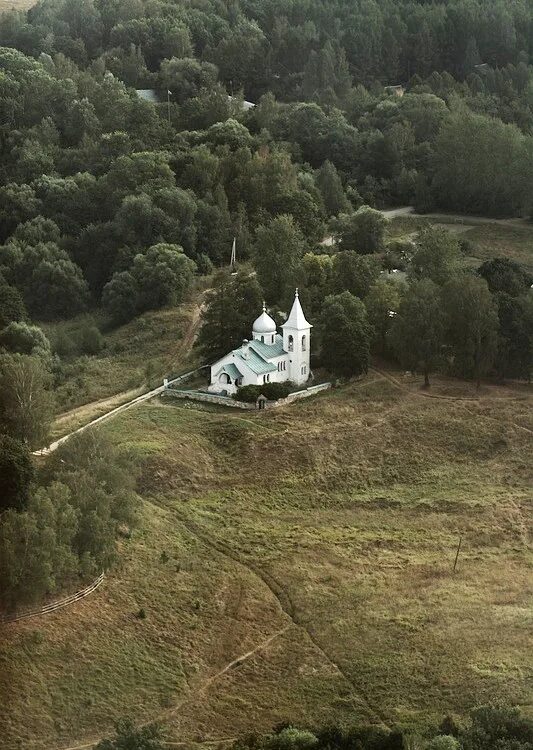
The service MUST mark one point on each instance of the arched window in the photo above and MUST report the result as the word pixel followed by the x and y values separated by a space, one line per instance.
pixel 263 339
pixel 304 343
pixel 273 338
pixel 291 343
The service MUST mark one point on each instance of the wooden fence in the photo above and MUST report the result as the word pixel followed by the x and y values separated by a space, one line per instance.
pixel 55 605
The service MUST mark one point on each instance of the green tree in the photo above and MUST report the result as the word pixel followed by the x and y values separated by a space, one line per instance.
pixel 317 271
pixel 381 302
pixel 436 256
pixel 362 231
pixel 505 275
pixel 35 546
pixel 11 304
pixel 127 737
pixel 330 186
pixel 231 306
pixel 346 335
pixel 25 400
pixel 277 253
pixel 16 473
pixel 482 165
pixel 417 331
pixel 25 339
pixel 514 356
pixel 353 273
pixel 161 276
pixel 497 727
pixel 472 325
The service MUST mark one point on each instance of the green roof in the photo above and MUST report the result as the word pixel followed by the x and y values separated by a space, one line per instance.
pixel 255 362
pixel 268 351
pixel 231 370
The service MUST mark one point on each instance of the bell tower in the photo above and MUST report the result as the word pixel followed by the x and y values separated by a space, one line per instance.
pixel 296 341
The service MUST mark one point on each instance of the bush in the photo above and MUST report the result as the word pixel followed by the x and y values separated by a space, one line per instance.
pixel 272 391
pixel 248 393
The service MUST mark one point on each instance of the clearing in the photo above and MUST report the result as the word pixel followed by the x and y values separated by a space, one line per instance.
pixel 297 565
pixel 507 238
pixel 92 385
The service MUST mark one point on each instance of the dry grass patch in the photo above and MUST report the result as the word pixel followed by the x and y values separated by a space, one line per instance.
pixel 331 525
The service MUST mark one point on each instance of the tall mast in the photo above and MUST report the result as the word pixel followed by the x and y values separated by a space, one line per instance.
pixel 233 260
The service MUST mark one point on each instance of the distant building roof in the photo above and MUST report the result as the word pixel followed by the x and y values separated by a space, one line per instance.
pixel 482 68
pixel 244 104
pixel 149 95
pixel 397 89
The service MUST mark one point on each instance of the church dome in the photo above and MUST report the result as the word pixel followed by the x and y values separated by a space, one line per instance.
pixel 264 323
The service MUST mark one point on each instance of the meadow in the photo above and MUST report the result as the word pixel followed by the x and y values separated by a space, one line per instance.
pixel 297 565
pixel 486 239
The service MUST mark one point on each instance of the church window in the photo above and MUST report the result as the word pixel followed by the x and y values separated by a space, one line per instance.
pixel 291 343
pixel 263 339
pixel 304 343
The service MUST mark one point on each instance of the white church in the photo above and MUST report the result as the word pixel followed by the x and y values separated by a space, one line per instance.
pixel 269 357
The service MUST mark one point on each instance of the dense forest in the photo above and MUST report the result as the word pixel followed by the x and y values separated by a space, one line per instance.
pixel 113 201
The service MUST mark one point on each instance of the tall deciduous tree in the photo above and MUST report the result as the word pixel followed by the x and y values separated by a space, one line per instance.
pixel 417 332
pixel 471 325
pixel 25 401
pixel 382 302
pixel 231 306
pixel 278 251
pixel 436 256
pixel 362 231
pixel 506 275
pixel 16 473
pixel 353 273
pixel 345 335
pixel 330 185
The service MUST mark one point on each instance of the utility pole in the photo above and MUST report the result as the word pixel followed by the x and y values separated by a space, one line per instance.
pixel 168 104
pixel 457 553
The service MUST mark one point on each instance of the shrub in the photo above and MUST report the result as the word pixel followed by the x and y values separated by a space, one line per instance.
pixel 272 391
pixel 248 393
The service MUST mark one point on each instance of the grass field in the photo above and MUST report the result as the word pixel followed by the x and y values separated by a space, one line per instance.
pixel 297 565
pixel 15 4
pixel 489 240
pixel 165 339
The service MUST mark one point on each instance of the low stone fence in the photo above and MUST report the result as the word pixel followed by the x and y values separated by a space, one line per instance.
pixel 53 606
pixel 213 398
pixel 303 394
pixel 210 398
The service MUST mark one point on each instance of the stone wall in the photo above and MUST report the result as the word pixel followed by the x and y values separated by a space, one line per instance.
pixel 213 398
pixel 210 398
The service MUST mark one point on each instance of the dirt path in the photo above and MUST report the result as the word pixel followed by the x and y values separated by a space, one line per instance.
pixel 459 218
pixel 119 402
pixel 286 605
pixel 195 695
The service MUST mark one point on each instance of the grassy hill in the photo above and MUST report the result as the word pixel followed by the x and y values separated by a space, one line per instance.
pixel 298 565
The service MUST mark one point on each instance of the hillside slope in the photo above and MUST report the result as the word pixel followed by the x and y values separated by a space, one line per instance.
pixel 297 565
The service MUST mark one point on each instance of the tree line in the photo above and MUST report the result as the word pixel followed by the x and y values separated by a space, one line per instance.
pixel 488 727
pixel 436 315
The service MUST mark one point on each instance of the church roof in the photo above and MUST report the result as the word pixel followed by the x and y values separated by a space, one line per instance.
pixel 264 323
pixel 296 317
pixel 231 370
pixel 254 361
pixel 269 351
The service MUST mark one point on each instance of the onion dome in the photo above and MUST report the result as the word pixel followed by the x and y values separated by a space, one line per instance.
pixel 264 323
